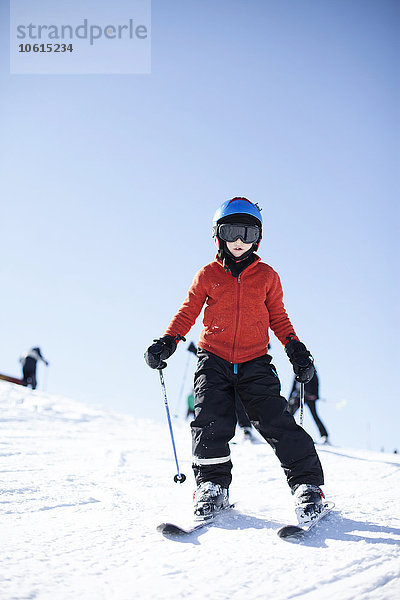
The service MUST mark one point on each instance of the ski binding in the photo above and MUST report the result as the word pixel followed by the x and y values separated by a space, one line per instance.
pixel 174 530
pixel 300 530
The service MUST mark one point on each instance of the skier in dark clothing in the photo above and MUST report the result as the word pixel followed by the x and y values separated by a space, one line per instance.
pixel 311 395
pixel 243 298
pixel 29 361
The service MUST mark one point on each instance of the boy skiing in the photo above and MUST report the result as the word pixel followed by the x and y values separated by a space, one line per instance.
pixel 243 298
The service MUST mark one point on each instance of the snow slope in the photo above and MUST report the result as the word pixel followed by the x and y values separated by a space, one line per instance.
pixel 83 490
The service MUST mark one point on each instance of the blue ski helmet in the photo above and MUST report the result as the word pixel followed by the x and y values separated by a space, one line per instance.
pixel 237 206
pixel 237 210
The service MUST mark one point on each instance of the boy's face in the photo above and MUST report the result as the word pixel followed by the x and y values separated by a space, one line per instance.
pixel 238 247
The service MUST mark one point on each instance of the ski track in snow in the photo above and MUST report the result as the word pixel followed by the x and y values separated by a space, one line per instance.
pixel 82 492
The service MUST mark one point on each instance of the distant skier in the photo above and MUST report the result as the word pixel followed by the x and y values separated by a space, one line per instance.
pixel 311 395
pixel 243 298
pixel 29 361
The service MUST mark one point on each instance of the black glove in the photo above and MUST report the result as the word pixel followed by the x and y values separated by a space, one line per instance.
pixel 156 354
pixel 301 359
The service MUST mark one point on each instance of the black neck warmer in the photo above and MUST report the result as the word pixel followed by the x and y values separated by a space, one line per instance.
pixel 235 265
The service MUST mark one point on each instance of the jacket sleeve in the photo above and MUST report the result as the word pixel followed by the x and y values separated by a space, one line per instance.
pixel 186 316
pixel 41 357
pixel 278 318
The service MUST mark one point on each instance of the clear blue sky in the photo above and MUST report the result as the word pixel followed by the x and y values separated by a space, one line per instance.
pixel 109 184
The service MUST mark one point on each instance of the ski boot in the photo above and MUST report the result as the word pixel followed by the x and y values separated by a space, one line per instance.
pixel 308 502
pixel 209 499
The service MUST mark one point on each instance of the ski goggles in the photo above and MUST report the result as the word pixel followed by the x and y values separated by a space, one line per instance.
pixel 230 232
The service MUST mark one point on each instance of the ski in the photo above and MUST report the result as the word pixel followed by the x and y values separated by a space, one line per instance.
pixel 299 531
pixel 174 530
pixel 11 379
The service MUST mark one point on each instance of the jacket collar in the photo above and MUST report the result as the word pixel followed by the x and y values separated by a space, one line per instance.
pixel 255 262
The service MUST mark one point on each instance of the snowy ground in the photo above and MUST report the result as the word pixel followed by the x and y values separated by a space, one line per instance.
pixel 82 492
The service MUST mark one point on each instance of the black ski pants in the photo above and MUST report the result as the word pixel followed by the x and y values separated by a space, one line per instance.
pixel 259 389
pixel 29 375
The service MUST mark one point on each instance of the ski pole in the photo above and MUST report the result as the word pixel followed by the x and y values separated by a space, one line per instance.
pixel 179 477
pixel 46 379
pixel 301 403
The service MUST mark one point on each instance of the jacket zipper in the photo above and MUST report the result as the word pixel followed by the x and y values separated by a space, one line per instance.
pixel 237 317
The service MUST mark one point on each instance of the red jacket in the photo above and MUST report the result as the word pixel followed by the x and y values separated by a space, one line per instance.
pixel 238 313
